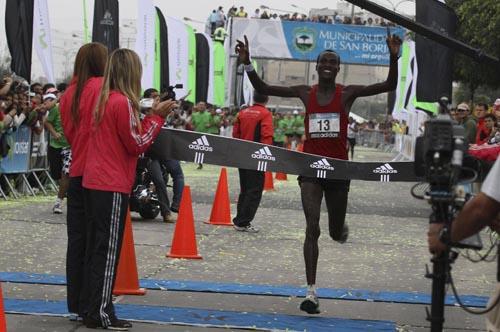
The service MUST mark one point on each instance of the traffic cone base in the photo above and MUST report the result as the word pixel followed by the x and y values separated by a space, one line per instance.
pixel 268 182
pixel 221 209
pixel 184 240
pixel 127 279
pixel 184 256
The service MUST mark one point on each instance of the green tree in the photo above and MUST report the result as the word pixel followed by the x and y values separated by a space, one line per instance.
pixel 479 26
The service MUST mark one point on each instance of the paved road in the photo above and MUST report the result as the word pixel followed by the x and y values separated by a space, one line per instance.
pixel 386 252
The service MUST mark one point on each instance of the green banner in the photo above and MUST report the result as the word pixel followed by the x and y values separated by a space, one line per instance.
pixel 157 68
pixel 403 75
pixel 429 107
pixel 191 65
pixel 219 74
pixel 86 32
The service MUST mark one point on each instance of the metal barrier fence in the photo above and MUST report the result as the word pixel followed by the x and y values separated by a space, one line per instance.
pixel 387 141
pixel 27 159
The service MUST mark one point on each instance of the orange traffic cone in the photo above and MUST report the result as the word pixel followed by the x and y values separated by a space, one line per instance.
pixel 268 182
pixel 221 211
pixel 3 322
pixel 127 279
pixel 280 176
pixel 184 241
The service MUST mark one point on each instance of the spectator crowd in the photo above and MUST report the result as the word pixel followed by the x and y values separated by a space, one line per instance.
pixel 218 18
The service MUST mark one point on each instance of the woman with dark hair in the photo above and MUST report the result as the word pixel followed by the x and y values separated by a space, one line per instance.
pixel 76 107
pixel 118 137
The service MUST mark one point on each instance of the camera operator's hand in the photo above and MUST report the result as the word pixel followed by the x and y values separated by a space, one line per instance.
pixel 435 245
pixel 164 108
pixel 243 51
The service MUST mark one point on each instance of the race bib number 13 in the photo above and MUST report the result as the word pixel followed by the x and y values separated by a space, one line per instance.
pixel 324 125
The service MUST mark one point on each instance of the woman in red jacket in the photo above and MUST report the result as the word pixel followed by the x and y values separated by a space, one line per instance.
pixel 116 140
pixel 76 106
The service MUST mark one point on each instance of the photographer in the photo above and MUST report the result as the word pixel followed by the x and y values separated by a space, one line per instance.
pixel 172 167
pixel 481 211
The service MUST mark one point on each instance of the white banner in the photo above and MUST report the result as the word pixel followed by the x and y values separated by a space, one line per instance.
pixel 41 38
pixel 145 41
pixel 266 37
pixel 178 55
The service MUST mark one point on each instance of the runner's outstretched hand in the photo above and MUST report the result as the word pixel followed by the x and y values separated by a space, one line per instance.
pixel 243 51
pixel 394 43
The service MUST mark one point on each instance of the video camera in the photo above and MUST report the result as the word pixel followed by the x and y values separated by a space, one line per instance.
pixel 439 158
pixel 169 93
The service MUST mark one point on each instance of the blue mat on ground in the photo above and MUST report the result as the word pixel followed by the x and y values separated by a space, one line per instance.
pixel 209 318
pixel 253 289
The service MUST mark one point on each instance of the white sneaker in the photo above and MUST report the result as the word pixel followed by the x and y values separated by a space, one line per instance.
pixel 248 229
pixel 310 304
pixel 57 208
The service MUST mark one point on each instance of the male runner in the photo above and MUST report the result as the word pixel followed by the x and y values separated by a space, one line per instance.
pixel 327 107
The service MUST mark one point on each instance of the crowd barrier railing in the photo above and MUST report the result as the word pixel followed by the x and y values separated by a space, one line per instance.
pixel 27 157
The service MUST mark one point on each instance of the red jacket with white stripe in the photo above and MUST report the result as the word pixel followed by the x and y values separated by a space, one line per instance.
pixel 115 145
pixel 78 134
pixel 254 123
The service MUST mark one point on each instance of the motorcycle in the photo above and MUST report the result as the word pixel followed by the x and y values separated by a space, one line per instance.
pixel 143 198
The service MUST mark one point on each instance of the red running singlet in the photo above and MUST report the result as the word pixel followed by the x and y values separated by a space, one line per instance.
pixel 326 126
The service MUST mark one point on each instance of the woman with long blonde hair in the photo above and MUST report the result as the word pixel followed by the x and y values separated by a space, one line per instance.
pixel 118 137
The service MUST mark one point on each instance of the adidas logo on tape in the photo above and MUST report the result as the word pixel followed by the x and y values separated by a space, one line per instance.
pixel 201 144
pixel 385 171
pixel 322 166
pixel 263 154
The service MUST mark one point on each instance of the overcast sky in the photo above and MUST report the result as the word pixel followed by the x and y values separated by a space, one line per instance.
pixel 67 15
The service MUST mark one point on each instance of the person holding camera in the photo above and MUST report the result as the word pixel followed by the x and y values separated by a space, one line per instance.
pixel 172 167
pixel 327 107
pixel 480 212
pixel 117 138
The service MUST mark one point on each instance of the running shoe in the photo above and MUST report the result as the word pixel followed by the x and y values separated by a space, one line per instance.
pixel 116 324
pixel 57 209
pixel 248 229
pixel 170 218
pixel 310 304
pixel 344 236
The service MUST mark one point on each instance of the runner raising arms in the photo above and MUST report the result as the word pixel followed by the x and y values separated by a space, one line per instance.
pixel 327 108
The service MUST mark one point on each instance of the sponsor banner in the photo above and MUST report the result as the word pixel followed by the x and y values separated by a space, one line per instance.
pixel 161 54
pixel 105 27
pixel 18 159
pixel 42 39
pixel 157 54
pixel 219 74
pixel 39 144
pixel 191 65
pixel 19 33
pixel 145 41
pixel 305 40
pixel 204 68
pixel 230 152
pixel 178 54
pixel 435 61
